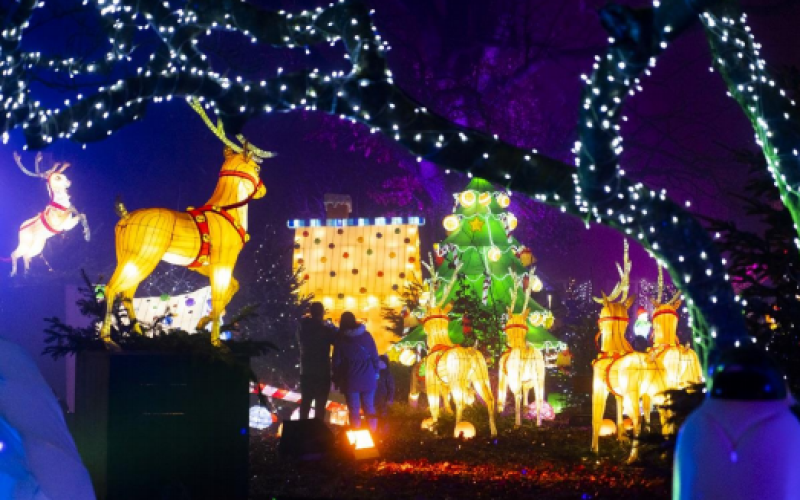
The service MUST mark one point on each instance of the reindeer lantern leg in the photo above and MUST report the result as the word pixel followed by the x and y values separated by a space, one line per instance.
pixel 538 385
pixel 502 383
pixel 223 287
pixel 433 386
pixel 483 388
pixel 599 397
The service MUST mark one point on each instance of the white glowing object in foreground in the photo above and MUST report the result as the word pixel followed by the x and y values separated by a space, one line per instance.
pixel 260 417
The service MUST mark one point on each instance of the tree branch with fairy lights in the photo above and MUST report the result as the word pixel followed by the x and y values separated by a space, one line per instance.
pixel 156 52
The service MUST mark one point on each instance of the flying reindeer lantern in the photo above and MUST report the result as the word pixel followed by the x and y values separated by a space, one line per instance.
pixel 522 367
pixel 629 375
pixel 57 217
pixel 206 239
pixel 451 370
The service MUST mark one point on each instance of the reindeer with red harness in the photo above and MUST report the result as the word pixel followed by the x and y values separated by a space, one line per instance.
pixel 451 370
pixel 57 217
pixel 522 367
pixel 206 239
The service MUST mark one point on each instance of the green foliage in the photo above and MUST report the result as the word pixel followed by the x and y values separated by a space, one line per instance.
pixel 410 297
pixel 487 322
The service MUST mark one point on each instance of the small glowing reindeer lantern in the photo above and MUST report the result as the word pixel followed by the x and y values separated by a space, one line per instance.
pixel 58 216
pixel 206 239
pixel 451 370
pixel 681 364
pixel 618 369
pixel 522 367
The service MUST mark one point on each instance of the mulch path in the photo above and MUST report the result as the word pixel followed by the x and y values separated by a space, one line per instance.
pixel 553 462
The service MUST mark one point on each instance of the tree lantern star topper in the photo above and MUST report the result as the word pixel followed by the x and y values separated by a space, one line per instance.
pixel 522 367
pixel 450 370
pixel 206 239
pixel 58 216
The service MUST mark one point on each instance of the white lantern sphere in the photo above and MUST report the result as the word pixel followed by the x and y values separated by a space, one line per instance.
pixel 260 417
pixel 494 254
pixel 450 223
pixel 408 357
pixel 464 429
pixel 467 198
pixel 503 200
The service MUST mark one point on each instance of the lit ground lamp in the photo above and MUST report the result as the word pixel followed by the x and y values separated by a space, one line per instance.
pixel 464 430
pixel 363 444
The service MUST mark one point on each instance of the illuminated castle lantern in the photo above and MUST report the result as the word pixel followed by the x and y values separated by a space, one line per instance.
pixel 357 265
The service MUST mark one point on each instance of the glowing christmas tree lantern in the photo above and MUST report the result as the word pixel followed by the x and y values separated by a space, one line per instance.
pixel 503 200
pixel 484 199
pixel 467 198
pixel 608 428
pixel 494 254
pixel 464 430
pixel 408 357
pixel 450 223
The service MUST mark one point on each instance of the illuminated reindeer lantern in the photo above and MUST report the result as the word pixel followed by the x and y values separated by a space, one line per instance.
pixel 618 369
pixel 206 239
pixel 681 364
pixel 58 216
pixel 451 370
pixel 522 367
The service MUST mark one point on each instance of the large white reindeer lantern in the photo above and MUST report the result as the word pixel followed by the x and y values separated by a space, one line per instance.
pixel 522 366
pixel 450 370
pixel 58 216
pixel 630 376
pixel 206 239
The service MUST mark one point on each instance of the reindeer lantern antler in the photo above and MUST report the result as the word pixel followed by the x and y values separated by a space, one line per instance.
pixel 41 175
pixel 435 278
pixel 518 281
pixel 660 294
pixel 247 148
pixel 624 280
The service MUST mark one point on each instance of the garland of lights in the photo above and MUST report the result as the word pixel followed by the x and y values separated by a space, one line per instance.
pixel 597 190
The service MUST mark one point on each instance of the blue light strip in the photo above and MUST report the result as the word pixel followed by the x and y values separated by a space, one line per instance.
pixel 377 221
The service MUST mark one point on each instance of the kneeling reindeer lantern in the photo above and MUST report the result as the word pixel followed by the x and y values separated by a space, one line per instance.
pixel 451 370
pixel 522 367
pixel 206 239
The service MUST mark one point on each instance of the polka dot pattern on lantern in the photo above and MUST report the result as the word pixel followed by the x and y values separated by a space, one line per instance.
pixel 360 239
pixel 305 233
pixel 345 255
pixel 412 260
pixel 379 235
pixel 380 274
pixel 355 271
pixel 333 274
pixel 340 231
pixel 392 255
pixel 362 290
pixel 331 246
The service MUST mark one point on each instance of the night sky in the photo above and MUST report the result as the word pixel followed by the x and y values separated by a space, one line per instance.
pixel 506 67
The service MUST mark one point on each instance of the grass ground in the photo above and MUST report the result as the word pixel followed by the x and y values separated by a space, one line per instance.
pixel 552 462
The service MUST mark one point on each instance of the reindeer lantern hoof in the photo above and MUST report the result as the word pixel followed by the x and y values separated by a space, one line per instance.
pixel 111 346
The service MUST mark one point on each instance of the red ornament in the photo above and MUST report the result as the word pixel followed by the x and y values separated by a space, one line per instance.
pixel 466 324
pixel 439 260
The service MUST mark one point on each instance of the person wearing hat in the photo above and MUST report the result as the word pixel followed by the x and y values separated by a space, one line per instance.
pixel 315 338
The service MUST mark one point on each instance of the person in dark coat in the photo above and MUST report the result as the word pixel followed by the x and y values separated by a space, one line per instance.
pixel 355 368
pixel 315 338
pixel 384 392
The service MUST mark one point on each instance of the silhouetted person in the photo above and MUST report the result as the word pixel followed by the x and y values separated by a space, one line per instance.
pixel 384 392
pixel 355 368
pixel 315 339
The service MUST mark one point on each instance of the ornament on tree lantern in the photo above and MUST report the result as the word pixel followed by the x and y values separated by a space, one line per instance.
pixel 439 260
pixel 450 223
pixel 494 254
pixel 512 221
pixel 564 360
pixel 503 200
pixel 58 216
pixel 208 239
pixel 451 371
pixel 526 257
pixel 484 199
pixel 408 357
pixel 536 284
pixel 467 198
pixel 521 367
